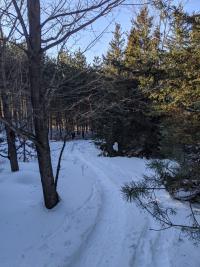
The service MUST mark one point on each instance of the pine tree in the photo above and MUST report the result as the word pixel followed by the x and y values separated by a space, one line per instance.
pixel 126 116
pixel 139 40
pixel 79 60
pixel 177 93
pixel 115 55
pixel 142 62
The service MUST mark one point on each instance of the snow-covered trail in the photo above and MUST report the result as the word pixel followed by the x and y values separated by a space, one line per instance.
pixel 108 237
pixel 121 235
pixel 92 226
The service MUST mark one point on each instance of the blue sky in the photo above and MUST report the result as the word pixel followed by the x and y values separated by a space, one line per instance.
pixel 123 16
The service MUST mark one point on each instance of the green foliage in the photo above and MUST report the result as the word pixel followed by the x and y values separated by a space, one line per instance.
pixel 127 115
pixel 140 41
pixel 172 84
pixel 142 51
pixel 115 55
pixel 180 89
pixel 177 179
pixel 133 191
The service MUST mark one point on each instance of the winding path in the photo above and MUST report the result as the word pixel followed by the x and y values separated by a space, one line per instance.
pixel 121 235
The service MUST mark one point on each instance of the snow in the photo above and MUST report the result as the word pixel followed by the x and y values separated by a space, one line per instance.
pixel 92 226
pixel 116 147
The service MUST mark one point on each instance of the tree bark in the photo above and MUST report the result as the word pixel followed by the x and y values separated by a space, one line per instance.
pixel 40 118
pixel 12 151
pixel 10 134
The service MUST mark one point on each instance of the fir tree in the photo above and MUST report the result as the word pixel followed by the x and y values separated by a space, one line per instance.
pixel 140 46
pixel 115 55
pixel 127 117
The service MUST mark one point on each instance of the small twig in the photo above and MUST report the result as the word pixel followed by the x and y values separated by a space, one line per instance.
pixel 59 161
pixel 3 156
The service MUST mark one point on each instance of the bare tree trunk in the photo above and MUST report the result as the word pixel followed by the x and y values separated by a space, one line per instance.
pixel 65 22
pixel 12 152
pixel 39 111
pixel 10 134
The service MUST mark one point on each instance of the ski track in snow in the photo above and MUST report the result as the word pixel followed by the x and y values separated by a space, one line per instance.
pixel 109 243
pixel 107 232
